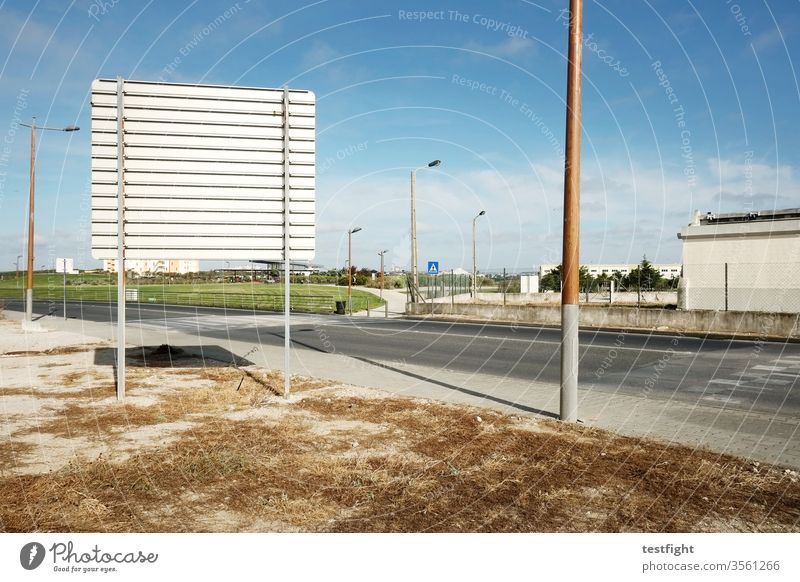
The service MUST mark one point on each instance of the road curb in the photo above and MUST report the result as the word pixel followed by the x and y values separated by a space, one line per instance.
pixel 637 330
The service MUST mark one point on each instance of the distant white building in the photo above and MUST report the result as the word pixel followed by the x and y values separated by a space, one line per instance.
pixel 744 261
pixel 63 264
pixel 667 270
pixel 529 283
pixel 154 266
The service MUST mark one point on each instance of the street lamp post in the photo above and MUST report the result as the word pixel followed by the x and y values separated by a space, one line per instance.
pixel 29 283
pixel 414 273
pixel 381 254
pixel 474 258
pixel 17 276
pixel 350 268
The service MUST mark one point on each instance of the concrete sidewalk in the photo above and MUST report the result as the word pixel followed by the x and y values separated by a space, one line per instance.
pixel 395 299
pixel 751 435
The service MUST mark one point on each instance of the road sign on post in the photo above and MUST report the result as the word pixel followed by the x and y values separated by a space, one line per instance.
pixel 214 172
pixel 433 267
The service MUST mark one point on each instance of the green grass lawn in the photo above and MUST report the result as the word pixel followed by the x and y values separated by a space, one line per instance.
pixel 269 296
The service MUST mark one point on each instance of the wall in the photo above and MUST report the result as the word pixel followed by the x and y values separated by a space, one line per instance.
pixel 766 325
pixel 762 259
pixel 627 298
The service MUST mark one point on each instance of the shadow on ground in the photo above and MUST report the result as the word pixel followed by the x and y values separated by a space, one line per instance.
pixel 167 356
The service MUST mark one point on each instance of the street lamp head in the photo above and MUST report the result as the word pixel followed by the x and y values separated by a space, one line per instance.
pixel 481 213
pixel 71 128
pixel 356 229
pixel 435 163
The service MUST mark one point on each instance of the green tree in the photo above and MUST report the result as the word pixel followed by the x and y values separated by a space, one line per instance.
pixel 552 280
pixel 644 276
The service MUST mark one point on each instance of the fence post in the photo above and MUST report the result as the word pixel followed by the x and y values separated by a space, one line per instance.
pixel 726 286
pixel 639 290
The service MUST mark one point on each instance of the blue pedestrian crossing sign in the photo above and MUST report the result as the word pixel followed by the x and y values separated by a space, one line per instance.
pixel 433 267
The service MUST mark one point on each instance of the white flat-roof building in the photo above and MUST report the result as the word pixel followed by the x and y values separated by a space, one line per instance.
pixel 61 264
pixel 667 270
pixel 744 261
pixel 154 266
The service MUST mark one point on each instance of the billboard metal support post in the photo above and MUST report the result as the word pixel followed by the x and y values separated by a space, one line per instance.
pixel 286 250
pixel 571 249
pixel 120 239
pixel 64 264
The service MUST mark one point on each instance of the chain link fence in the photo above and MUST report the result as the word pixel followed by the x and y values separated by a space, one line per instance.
pixel 748 287
pixel 763 287
pixel 444 285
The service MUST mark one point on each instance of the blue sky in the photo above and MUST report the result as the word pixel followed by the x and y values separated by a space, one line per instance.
pixel 686 104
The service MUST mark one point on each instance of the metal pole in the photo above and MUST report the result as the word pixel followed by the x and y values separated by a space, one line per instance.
pixel 639 289
pixel 65 287
pixel 350 271
pixel 505 287
pixel 382 279
pixel 120 239
pixel 286 248
pixel 571 249
pixel 474 263
pixel 29 282
pixel 474 257
pixel 414 274
pixel 726 286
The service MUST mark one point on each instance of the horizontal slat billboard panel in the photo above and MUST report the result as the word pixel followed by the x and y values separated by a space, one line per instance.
pixel 203 171
pixel 173 229
pixel 102 190
pixel 216 142
pixel 148 153
pixel 275 131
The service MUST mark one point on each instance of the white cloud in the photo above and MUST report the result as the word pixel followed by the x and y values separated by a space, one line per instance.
pixel 511 47
pixel 319 53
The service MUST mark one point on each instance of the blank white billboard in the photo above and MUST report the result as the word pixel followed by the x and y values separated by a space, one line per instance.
pixel 203 169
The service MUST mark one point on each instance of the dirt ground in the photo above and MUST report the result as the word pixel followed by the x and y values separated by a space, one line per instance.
pixel 205 446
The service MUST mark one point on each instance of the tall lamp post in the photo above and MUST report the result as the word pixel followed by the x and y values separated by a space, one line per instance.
pixel 474 258
pixel 350 268
pixel 381 254
pixel 17 276
pixel 414 273
pixel 29 284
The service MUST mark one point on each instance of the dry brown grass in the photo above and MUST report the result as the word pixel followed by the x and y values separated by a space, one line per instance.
pixel 329 462
pixel 58 351
pixel 12 451
pixel 343 459
pixel 90 413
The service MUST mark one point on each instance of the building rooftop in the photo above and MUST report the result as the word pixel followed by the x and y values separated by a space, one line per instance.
pixel 752 216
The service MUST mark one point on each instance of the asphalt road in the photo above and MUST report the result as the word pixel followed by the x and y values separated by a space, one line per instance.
pixel 748 375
